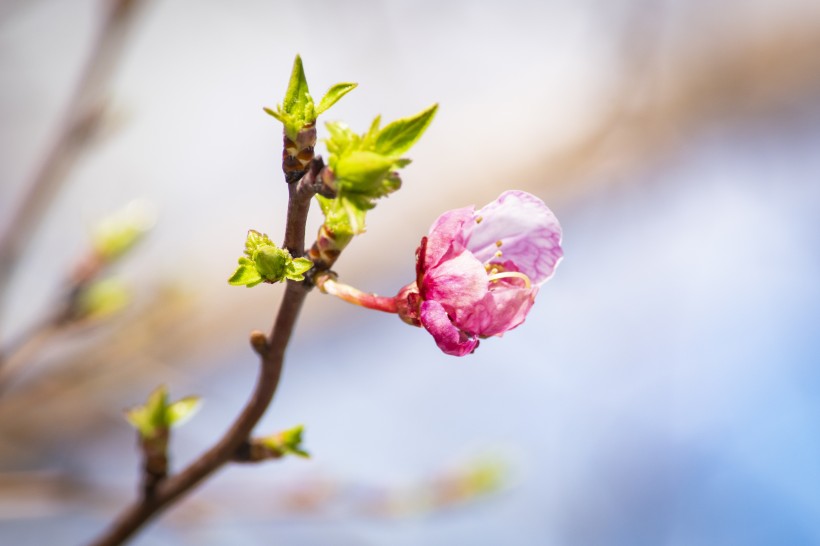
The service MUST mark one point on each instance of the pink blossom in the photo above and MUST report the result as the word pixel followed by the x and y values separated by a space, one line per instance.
pixel 477 272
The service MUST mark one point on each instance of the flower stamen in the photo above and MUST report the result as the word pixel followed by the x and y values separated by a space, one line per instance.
pixel 494 276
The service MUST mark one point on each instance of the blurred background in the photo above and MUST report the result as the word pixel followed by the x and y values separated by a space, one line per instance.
pixel 663 389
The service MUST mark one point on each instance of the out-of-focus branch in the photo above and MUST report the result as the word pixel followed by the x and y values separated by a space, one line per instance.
pixel 24 346
pixel 85 111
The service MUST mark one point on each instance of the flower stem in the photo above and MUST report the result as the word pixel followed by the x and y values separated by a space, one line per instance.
pixel 328 285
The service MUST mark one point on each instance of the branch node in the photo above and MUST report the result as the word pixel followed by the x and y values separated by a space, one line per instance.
pixel 259 342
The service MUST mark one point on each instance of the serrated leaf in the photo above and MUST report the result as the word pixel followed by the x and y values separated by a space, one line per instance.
pixel 333 95
pixel 182 410
pixel 399 136
pixel 245 275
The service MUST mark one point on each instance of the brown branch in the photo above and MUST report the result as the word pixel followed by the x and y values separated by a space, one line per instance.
pixel 254 451
pixel 271 350
pixel 298 206
pixel 84 113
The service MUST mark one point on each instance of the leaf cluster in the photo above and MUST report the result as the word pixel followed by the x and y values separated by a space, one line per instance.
pixel 287 442
pixel 365 167
pixel 298 110
pixel 156 416
pixel 118 233
pixel 265 262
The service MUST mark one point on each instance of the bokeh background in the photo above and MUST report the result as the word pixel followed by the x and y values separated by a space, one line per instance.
pixel 663 389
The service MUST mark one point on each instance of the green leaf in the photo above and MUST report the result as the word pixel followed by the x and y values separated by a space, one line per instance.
pixel 362 172
pixel 297 268
pixel 298 94
pixel 287 442
pixel 342 139
pixel 298 109
pixel 254 240
pixel 399 136
pixel 156 404
pixel 103 298
pixel 275 113
pixel 156 416
pixel 263 261
pixel 150 417
pixel 345 215
pixel 368 141
pixel 272 262
pixel 182 410
pixel 245 275
pixel 364 167
pixel 118 233
pixel 333 95
pixel 138 417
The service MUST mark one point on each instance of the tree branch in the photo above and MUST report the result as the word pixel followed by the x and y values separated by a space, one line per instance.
pixel 271 350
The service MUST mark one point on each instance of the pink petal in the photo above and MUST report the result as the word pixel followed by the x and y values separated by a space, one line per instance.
pixel 529 232
pixel 458 283
pixel 449 339
pixel 443 240
pixel 499 311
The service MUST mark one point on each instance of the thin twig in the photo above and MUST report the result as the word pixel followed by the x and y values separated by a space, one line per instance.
pixel 271 350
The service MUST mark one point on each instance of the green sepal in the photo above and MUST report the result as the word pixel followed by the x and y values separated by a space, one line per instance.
pixel 156 416
pixel 287 442
pixel 265 262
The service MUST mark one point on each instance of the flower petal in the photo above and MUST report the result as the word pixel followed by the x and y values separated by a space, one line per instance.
pixel 499 311
pixel 529 233
pixel 458 283
pixel 444 240
pixel 449 339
